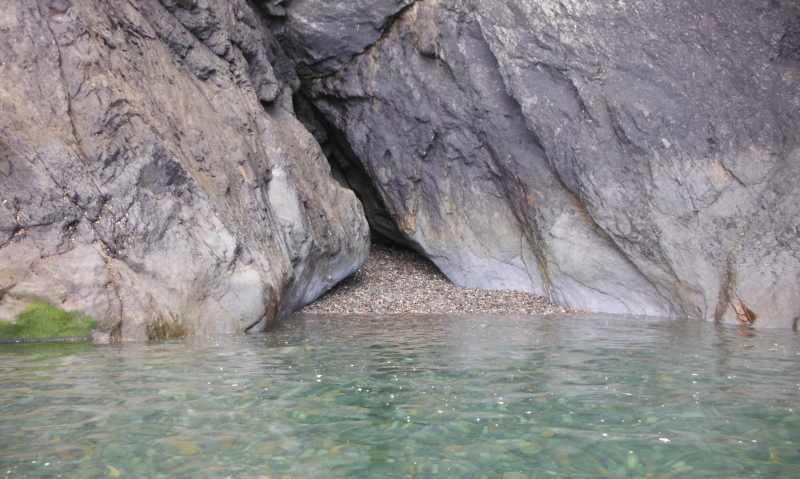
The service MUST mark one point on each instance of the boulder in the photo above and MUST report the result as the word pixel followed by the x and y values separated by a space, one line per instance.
pixel 620 157
pixel 153 174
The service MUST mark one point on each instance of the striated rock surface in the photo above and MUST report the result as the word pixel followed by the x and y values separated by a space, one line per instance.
pixel 153 174
pixel 626 157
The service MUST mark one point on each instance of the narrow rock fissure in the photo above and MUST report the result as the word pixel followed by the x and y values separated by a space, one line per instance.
pixel 349 171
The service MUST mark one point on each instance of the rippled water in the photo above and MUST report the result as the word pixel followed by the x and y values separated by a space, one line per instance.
pixel 415 396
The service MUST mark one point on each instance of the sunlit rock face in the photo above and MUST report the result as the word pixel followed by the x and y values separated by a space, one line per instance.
pixel 153 174
pixel 625 157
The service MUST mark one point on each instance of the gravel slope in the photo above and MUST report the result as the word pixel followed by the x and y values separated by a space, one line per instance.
pixel 397 280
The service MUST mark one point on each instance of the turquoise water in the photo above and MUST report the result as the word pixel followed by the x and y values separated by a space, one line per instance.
pixel 411 397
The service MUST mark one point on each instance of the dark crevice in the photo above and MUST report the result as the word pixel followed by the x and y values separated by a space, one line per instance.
pixel 348 170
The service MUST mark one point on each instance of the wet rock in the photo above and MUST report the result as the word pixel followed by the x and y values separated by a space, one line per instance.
pixel 612 156
pixel 153 174
pixel 529 448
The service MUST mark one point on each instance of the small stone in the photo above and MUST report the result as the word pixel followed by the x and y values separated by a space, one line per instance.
pixel 632 461
pixel 529 448
pixel 186 448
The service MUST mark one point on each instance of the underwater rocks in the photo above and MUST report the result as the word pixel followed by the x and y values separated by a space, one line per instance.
pixel 153 174
pixel 613 156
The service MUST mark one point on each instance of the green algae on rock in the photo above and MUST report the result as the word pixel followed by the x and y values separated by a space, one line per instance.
pixel 42 320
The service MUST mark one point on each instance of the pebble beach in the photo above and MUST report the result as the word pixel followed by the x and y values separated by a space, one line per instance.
pixel 395 280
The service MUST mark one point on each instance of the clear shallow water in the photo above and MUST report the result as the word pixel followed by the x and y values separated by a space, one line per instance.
pixel 411 397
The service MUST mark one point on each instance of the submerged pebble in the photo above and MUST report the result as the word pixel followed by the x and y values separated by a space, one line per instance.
pixel 529 448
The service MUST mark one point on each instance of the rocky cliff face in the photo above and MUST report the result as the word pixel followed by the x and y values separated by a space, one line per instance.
pixel 152 171
pixel 624 157
pixel 627 157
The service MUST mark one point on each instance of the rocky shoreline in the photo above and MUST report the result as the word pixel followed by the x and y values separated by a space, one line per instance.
pixel 209 167
pixel 395 280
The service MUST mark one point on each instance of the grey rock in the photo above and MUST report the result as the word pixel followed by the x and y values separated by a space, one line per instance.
pixel 153 174
pixel 626 157
pixel 321 37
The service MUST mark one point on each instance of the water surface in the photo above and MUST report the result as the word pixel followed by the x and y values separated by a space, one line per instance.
pixel 411 397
